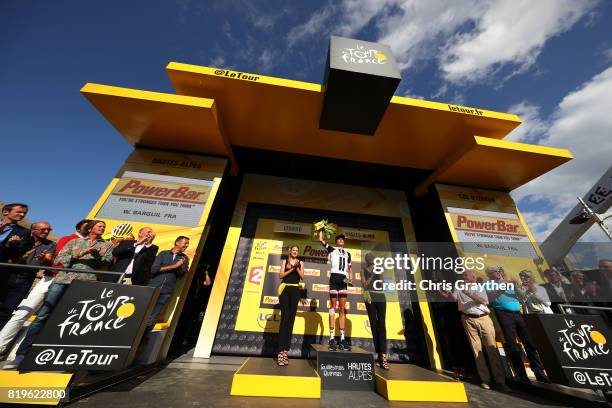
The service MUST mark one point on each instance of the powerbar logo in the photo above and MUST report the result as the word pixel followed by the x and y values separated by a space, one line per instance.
pixel 317 287
pixel 466 223
pixel 140 188
pixel 236 75
pixel 270 300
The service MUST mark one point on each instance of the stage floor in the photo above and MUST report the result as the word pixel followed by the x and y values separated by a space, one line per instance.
pixel 209 387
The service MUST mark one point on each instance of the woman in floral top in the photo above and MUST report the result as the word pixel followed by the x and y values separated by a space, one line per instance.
pixel 89 252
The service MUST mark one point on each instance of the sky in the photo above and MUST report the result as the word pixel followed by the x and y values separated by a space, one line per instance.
pixel 548 61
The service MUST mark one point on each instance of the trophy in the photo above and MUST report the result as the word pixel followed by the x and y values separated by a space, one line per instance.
pixel 328 228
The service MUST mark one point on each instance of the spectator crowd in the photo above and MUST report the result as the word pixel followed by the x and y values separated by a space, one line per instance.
pixel 487 314
pixel 26 289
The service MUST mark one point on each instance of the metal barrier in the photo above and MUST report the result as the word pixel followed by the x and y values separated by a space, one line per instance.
pixel 569 307
pixel 54 268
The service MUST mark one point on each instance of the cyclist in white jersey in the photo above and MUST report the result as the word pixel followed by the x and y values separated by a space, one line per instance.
pixel 341 274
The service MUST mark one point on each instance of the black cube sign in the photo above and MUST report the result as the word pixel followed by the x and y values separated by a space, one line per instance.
pixel 95 326
pixel 360 79
pixel 344 370
pixel 575 349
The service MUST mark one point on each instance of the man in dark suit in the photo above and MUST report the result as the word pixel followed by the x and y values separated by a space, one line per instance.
pixel 558 292
pixel 13 237
pixel 15 241
pixel 135 257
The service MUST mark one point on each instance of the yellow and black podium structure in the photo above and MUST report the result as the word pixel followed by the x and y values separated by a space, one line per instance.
pixel 407 382
pixel 253 160
pixel 343 370
pixel 262 377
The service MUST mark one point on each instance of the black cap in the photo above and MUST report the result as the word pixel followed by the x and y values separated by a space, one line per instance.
pixel 340 236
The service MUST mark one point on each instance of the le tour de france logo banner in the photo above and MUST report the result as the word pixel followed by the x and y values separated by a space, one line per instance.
pixel 96 326
pixel 362 56
pixel 575 349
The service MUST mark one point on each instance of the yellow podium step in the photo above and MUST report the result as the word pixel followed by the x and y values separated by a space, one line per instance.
pixel 407 382
pixel 262 377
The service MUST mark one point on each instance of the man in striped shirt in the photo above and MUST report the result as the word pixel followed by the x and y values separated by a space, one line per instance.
pixel 341 274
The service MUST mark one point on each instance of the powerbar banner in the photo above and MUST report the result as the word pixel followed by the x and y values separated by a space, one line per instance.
pixel 258 311
pixel 169 192
pixel 157 199
pixel 486 224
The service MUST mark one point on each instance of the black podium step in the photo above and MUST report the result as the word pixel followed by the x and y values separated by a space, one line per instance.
pixel 345 370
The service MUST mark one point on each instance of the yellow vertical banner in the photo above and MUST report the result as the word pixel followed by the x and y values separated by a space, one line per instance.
pixel 172 193
pixel 487 223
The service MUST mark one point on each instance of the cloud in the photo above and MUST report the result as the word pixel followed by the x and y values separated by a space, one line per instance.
pixel 416 29
pixel 470 40
pixel 218 61
pixel 532 127
pixel 316 24
pixel 260 14
pixel 508 33
pixel 581 123
pixel 267 59
pixel 607 54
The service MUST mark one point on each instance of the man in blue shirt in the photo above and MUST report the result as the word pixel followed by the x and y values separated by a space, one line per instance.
pixel 14 242
pixel 167 268
pixel 508 311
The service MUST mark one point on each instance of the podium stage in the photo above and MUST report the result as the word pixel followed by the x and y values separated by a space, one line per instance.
pixel 262 377
pixel 408 382
pixel 343 370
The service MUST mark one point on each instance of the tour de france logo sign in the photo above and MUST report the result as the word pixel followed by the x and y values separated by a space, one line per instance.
pixel 95 326
pixel 362 55
pixel 586 353
pixel 575 349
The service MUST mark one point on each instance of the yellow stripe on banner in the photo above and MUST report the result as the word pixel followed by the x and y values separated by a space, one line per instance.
pixel 460 110
pixel 262 79
pixel 109 90
pixel 541 266
pixel 428 326
pixel 102 199
pixel 208 330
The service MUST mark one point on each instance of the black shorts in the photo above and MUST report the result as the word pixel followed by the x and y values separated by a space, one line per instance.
pixel 337 286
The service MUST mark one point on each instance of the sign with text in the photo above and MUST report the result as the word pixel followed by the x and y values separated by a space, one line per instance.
pixel 96 326
pixel 360 79
pixel 575 349
pixel 491 232
pixel 486 223
pixel 156 199
pixel 345 370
